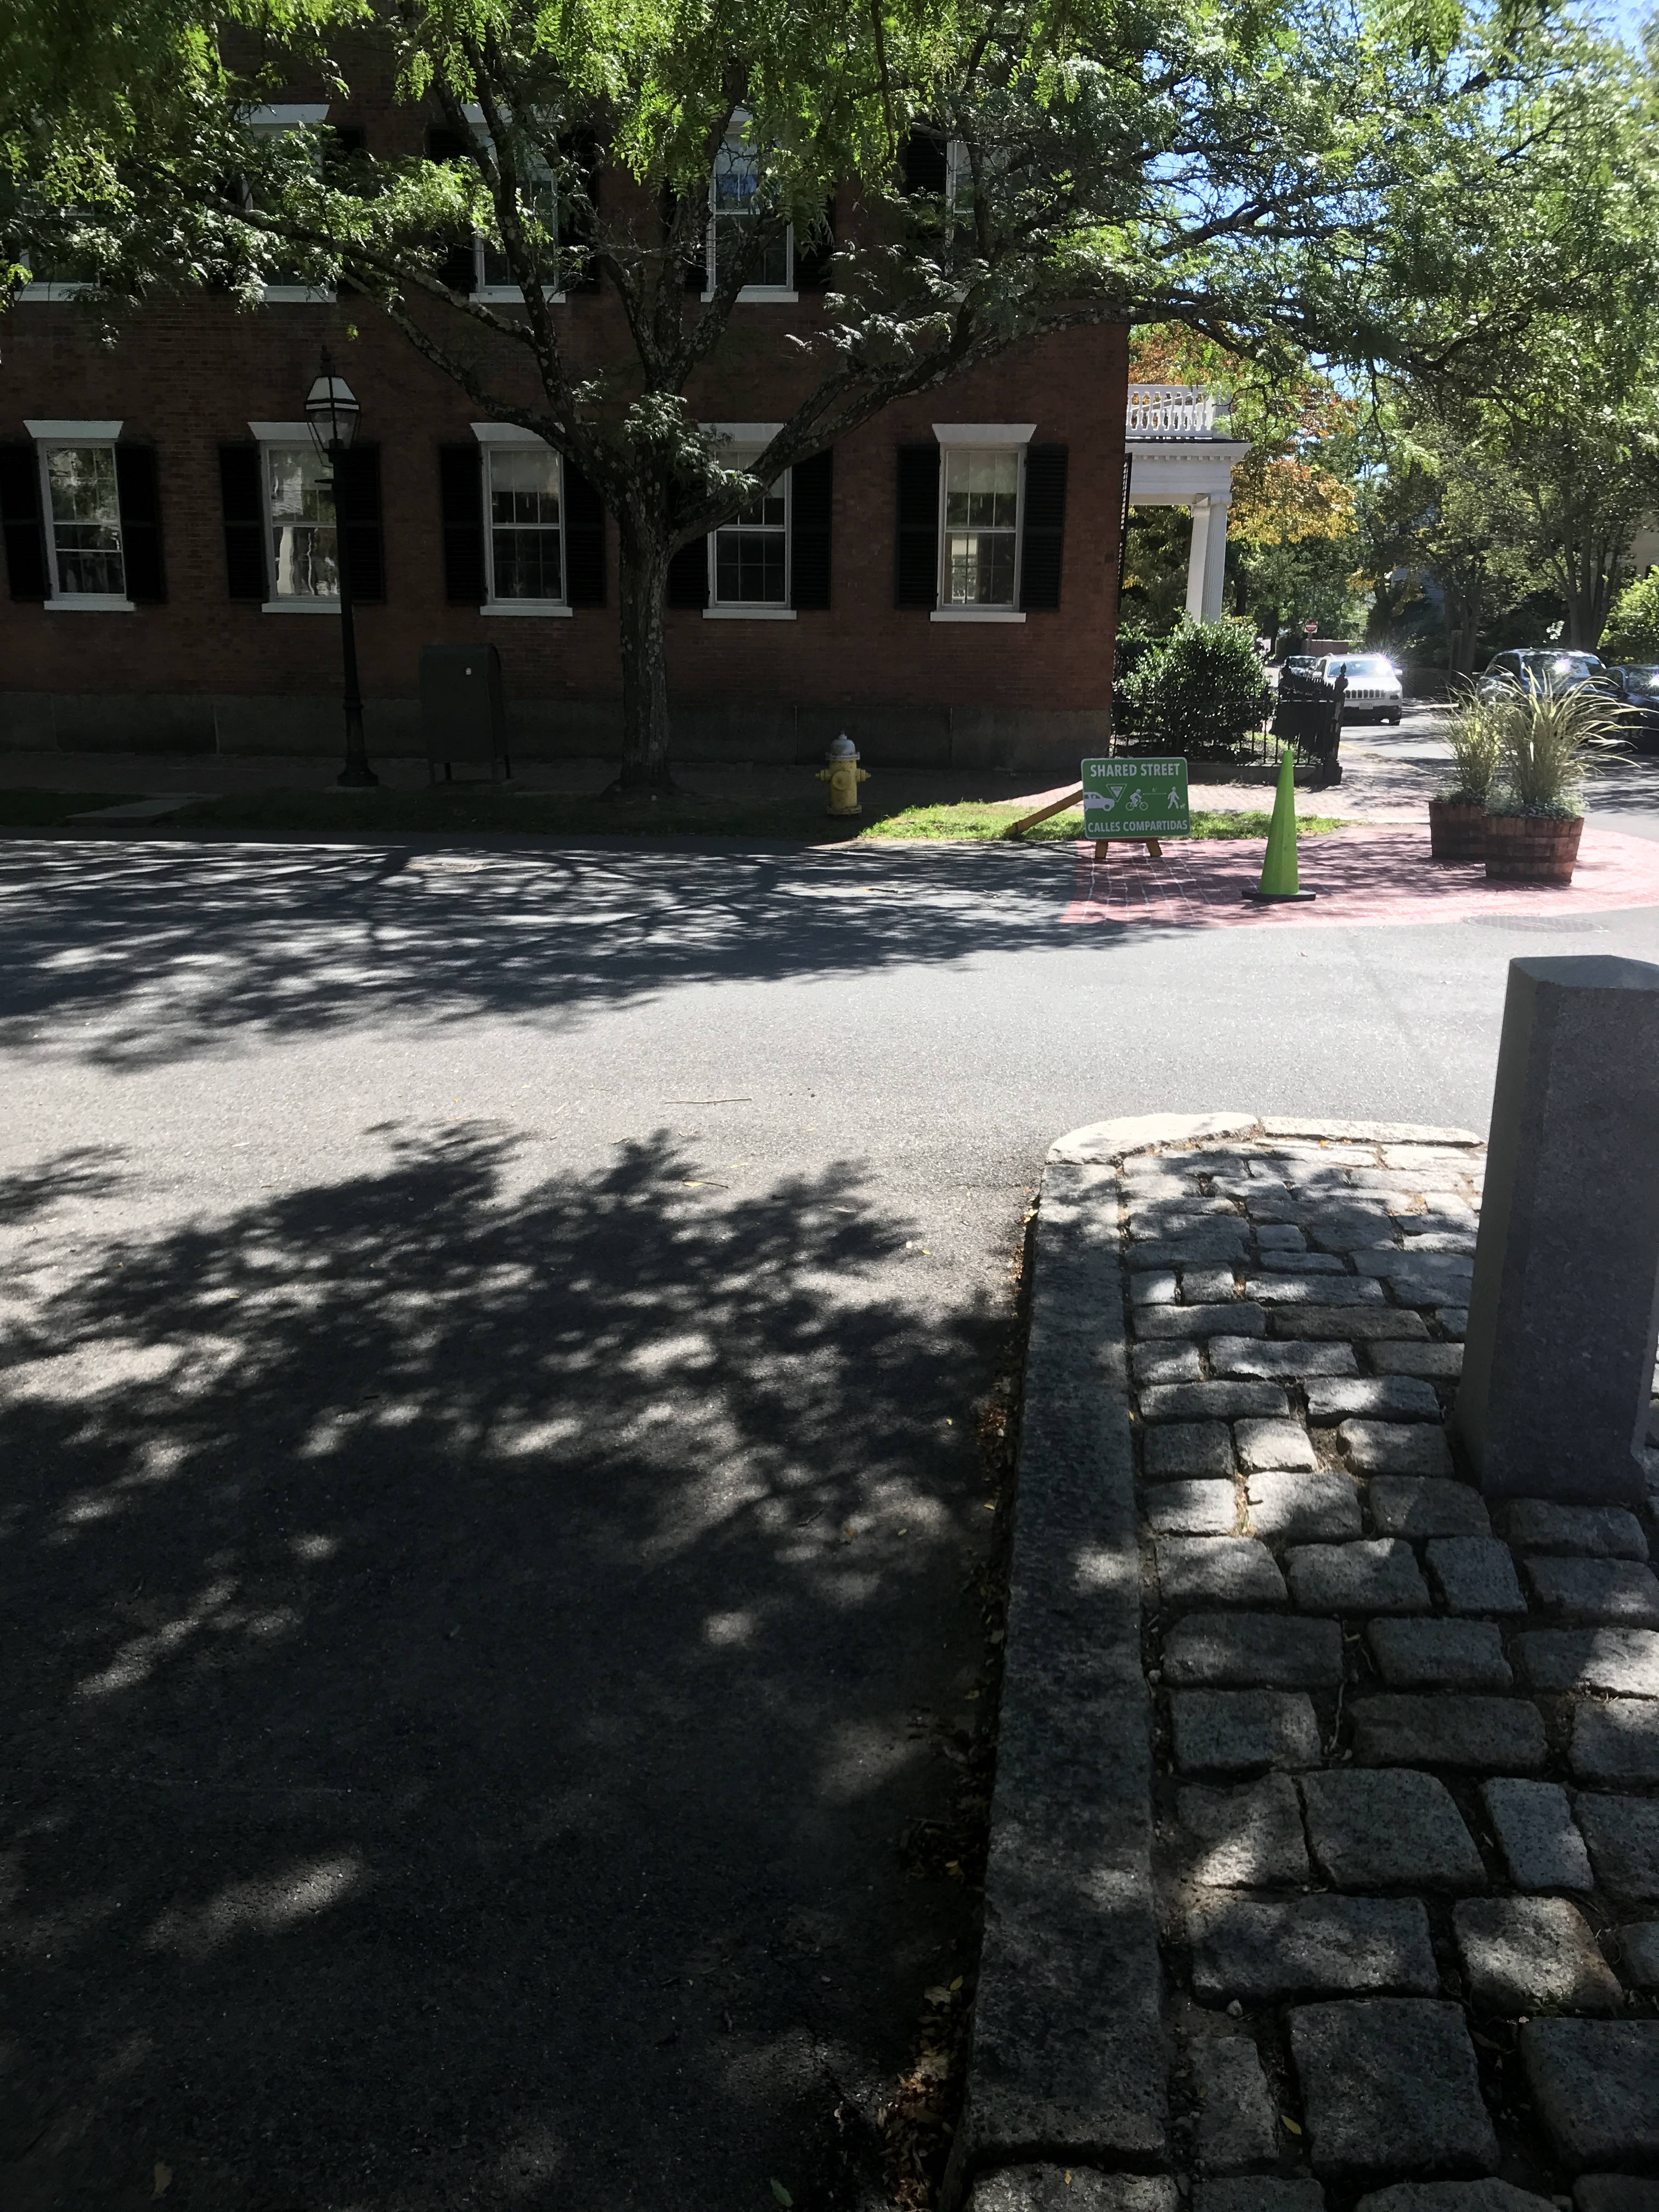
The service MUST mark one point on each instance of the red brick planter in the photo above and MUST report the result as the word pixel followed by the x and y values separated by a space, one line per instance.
pixel 1456 831
pixel 1532 849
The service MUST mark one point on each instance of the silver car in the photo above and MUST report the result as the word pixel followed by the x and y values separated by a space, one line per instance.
pixel 1541 669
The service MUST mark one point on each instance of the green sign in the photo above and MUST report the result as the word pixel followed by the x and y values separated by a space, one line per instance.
pixel 1135 798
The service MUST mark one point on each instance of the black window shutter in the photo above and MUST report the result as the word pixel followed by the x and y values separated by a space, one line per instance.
pixel 813 251
pixel 688 575
pixel 584 541
pixel 245 521
pixel 358 514
pixel 811 489
pixel 1044 532
pixel 20 521
pixel 456 265
pixel 923 162
pixel 460 491
pixel 139 495
pixel 917 576
pixel 578 271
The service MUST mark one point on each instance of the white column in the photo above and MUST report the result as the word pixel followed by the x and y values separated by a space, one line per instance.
pixel 1215 558
pixel 1198 559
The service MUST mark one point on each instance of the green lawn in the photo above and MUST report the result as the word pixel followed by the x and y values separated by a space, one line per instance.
pixel 978 820
pixel 471 812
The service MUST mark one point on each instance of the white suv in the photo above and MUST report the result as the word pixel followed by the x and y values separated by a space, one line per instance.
pixel 1374 686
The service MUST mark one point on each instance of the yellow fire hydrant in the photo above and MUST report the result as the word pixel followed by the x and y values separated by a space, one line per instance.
pixel 843 775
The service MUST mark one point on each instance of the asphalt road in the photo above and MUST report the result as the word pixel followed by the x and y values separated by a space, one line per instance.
pixel 490 1502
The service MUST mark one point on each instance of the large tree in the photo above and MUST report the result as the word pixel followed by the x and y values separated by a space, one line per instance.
pixel 1369 182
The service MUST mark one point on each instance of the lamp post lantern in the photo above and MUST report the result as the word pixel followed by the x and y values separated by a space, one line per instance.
pixel 332 410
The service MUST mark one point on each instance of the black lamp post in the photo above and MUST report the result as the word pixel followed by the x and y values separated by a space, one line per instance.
pixel 332 410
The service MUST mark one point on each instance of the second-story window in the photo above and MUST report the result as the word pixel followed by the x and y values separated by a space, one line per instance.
pixel 287 283
pixel 737 203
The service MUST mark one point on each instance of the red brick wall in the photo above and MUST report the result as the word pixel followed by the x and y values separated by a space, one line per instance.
pixel 187 378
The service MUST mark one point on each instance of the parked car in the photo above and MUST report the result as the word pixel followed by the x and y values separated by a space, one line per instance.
pixel 1547 668
pixel 1374 685
pixel 1299 663
pixel 1638 694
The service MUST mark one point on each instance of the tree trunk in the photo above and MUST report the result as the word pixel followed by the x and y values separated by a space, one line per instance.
pixel 643 590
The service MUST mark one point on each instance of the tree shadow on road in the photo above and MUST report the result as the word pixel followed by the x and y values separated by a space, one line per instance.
pixel 463 1646
pixel 139 954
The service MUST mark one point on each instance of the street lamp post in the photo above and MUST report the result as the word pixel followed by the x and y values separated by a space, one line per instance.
pixel 332 410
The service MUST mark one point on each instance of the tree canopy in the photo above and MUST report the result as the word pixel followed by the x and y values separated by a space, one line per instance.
pixel 1403 182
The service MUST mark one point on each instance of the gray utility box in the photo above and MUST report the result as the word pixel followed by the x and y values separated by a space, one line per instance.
pixel 463 709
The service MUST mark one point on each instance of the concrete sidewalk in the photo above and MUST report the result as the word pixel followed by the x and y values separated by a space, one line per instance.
pixel 1387 777
pixel 1325 1849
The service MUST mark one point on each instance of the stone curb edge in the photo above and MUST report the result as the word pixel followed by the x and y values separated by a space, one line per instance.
pixel 1070 2059
pixel 1101 1143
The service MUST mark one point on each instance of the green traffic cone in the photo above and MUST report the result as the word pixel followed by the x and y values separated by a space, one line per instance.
pixel 1279 880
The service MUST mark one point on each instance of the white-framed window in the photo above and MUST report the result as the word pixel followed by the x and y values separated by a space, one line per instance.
pixel 982 498
pixel 492 279
pixel 735 199
pixel 749 556
pixel 81 509
pixel 523 485
pixel 288 285
pixel 302 553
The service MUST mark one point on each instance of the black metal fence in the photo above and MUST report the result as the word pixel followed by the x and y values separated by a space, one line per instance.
pixel 1306 715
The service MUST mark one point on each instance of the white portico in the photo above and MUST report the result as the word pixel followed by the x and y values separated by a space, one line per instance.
pixel 1180 455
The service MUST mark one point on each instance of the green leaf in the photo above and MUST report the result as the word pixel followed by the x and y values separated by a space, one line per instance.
pixel 780 2192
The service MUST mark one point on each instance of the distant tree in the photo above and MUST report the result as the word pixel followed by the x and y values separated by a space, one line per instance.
pixel 1632 631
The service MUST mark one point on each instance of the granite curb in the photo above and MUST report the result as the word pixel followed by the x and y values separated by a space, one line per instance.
pixel 1069 2060
pixel 1264 1651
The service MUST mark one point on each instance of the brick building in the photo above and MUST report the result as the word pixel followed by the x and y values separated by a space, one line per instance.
pixel 942 585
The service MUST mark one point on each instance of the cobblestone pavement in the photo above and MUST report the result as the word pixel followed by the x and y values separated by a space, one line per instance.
pixel 1325 1854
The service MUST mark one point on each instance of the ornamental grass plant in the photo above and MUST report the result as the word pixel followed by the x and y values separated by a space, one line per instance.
pixel 1547 740
pixel 1476 738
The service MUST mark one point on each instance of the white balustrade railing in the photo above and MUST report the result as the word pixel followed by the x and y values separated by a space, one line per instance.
pixel 1175 411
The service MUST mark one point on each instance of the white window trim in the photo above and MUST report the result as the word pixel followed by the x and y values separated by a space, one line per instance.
pixel 506 434
pixel 47 436
pixel 291 115
pixel 515 434
pixel 1018 435
pixel 285 433
pixel 985 433
pixel 74 434
pixel 742 435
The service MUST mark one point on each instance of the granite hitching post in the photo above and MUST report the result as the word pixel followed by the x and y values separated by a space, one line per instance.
pixel 1563 1309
